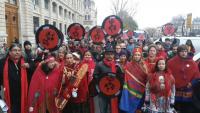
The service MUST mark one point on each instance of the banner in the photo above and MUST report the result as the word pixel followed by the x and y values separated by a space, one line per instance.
pixel 189 21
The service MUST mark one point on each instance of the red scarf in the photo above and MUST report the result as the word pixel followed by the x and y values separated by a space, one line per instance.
pixel 114 101
pixel 24 87
pixel 155 85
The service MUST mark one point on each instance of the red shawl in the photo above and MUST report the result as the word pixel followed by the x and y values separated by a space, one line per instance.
pixel 83 90
pixel 183 70
pixel 139 71
pixel 151 64
pixel 24 87
pixel 162 53
pixel 47 86
pixel 91 67
pixel 155 84
pixel 114 101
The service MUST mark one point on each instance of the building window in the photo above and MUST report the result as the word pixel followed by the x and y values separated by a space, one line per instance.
pixel 54 7
pixel 36 24
pixel 36 2
pixel 13 2
pixel 73 17
pixel 60 26
pixel 46 21
pixel 60 10
pixel 89 17
pixel 69 15
pixel 46 4
pixel 65 13
pixel 54 23
pixel 65 29
pixel 85 17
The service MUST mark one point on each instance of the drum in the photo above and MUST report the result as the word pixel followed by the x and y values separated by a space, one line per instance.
pixel 109 85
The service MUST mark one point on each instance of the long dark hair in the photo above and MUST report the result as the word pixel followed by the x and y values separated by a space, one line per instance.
pixel 11 47
pixel 189 43
pixel 156 66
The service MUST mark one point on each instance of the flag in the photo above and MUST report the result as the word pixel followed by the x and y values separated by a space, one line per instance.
pixel 131 95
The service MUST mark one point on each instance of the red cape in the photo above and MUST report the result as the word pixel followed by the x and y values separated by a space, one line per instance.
pixel 47 87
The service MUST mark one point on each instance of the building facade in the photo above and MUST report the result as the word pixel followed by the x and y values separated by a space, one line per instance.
pixel 196 26
pixel 20 19
pixel 179 23
pixel 90 14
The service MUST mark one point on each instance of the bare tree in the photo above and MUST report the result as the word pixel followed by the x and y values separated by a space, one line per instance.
pixel 151 32
pixel 123 5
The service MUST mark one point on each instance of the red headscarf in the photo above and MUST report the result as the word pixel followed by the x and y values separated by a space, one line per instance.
pixel 137 50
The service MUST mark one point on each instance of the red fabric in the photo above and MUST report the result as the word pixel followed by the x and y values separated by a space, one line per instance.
pixel 151 64
pixel 155 83
pixel 110 64
pixel 139 70
pixel 183 70
pixel 24 87
pixel 61 62
pixel 137 50
pixel 83 50
pixel 114 101
pixel 46 85
pixel 199 66
pixel 162 53
pixel 83 90
pixel 91 67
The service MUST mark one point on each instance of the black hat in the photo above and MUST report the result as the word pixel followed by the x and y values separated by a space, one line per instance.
pixel 159 42
pixel 27 43
pixel 109 49
pixel 123 52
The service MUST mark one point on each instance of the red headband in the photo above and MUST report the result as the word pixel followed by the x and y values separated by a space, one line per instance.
pixel 137 50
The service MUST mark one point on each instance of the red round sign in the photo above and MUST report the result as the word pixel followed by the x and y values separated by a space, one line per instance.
pixel 76 31
pixel 130 33
pixel 97 35
pixel 49 37
pixel 109 85
pixel 168 29
pixel 112 25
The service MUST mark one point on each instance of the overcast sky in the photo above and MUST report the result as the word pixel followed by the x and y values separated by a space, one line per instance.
pixel 152 13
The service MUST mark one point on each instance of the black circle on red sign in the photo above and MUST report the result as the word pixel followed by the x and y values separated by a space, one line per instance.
pixel 76 31
pixel 97 35
pixel 49 37
pixel 109 85
pixel 112 25
pixel 168 29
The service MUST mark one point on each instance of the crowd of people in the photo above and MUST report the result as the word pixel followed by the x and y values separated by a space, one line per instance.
pixel 156 78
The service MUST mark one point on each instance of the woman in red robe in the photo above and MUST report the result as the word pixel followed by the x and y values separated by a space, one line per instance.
pixel 61 55
pixel 134 84
pixel 152 58
pixel 44 87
